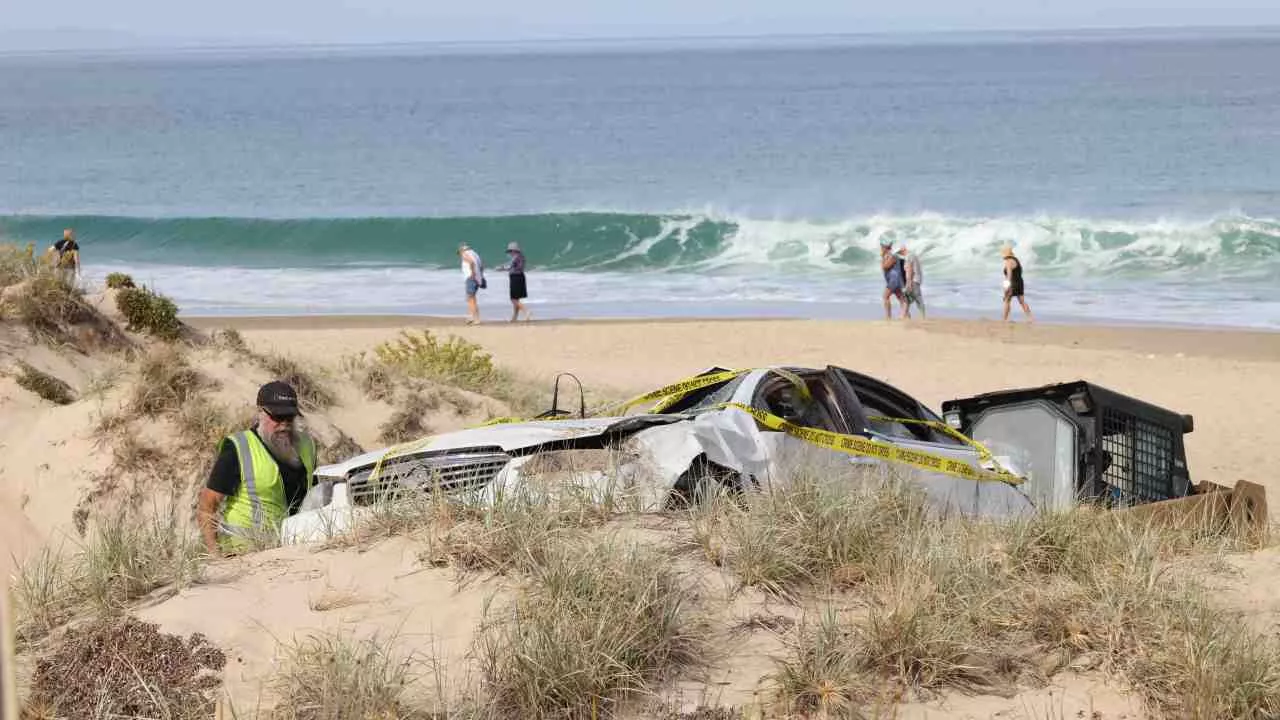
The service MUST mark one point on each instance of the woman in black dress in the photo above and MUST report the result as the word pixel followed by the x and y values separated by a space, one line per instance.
pixel 515 277
pixel 1013 286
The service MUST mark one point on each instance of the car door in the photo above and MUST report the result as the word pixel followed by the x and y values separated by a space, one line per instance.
pixel 882 407
pixel 822 409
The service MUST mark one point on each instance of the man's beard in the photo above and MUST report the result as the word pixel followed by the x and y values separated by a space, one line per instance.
pixel 283 444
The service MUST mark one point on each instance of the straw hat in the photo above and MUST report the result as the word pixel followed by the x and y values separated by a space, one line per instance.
pixel 1006 251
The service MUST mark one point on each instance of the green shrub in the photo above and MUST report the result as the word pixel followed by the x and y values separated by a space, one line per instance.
pixel 454 361
pixel 119 281
pixel 147 311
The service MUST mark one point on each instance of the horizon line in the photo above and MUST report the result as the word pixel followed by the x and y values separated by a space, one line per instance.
pixel 571 41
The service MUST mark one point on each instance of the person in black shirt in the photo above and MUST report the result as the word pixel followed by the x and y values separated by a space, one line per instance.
pixel 281 461
pixel 68 262
pixel 1013 284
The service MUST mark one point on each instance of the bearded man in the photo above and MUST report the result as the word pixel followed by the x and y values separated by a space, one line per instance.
pixel 261 476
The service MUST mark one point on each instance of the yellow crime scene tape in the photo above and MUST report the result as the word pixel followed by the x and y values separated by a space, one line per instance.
pixel 983 452
pixel 859 445
pixel 669 394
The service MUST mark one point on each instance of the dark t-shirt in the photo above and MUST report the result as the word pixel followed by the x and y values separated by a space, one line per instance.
pixel 64 245
pixel 225 476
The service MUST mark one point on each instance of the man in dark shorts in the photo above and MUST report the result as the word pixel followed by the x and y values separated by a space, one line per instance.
pixel 261 476
pixel 516 280
pixel 1013 285
pixel 473 278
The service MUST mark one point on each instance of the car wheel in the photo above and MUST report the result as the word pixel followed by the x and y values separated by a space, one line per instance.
pixel 702 479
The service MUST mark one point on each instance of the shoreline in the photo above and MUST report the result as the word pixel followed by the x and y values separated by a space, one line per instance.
pixel 1251 344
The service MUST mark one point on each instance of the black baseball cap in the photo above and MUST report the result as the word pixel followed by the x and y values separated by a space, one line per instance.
pixel 279 399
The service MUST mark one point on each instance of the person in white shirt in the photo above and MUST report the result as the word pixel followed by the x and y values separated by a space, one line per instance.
pixel 473 272
pixel 914 278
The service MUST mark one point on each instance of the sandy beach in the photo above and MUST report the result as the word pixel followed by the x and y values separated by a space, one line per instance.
pixel 1229 380
pixel 1226 379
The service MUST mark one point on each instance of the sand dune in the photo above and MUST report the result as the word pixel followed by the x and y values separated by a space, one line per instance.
pixel 1227 380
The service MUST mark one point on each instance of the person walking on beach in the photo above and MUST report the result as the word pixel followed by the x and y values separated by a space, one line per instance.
pixel 1013 285
pixel 892 266
pixel 913 279
pixel 473 271
pixel 516 281
pixel 260 477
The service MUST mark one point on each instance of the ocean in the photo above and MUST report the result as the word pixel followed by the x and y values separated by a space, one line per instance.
pixel 1137 175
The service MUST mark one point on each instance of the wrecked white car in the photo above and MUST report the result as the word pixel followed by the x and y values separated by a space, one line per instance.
pixel 741 429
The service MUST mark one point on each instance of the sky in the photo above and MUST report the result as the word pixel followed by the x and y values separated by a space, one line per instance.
pixel 94 24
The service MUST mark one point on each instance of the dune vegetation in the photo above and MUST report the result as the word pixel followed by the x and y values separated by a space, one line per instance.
pixel 865 598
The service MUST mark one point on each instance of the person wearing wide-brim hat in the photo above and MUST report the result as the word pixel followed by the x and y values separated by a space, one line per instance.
pixel 516 280
pixel 1013 285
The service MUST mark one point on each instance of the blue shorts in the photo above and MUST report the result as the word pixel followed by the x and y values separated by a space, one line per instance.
pixel 472 287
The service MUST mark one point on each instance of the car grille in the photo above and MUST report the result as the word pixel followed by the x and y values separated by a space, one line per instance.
pixel 451 472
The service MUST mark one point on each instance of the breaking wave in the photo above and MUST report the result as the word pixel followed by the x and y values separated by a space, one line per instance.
pixel 1235 246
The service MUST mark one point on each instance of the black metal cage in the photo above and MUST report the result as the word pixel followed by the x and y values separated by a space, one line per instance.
pixel 1130 452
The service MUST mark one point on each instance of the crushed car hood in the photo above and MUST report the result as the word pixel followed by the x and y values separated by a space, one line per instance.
pixel 511 437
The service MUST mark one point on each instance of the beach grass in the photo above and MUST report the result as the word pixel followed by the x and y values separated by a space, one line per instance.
pixel 336 675
pixel 598 622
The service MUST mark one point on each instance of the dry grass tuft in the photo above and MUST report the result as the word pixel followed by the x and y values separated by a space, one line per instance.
pixel 982 607
pixel 821 675
pixel 202 423
pixel 819 529
pixel 598 622
pixel 312 393
pixel 165 383
pixel 408 422
pixel 231 339
pixel 55 313
pixel 45 385
pixel 342 448
pixel 131 553
pixel 44 593
pixel 125 556
pixel 515 530
pixel 335 676
pixel 124 668
pixel 376 380
pixel 17 263
pixel 103 382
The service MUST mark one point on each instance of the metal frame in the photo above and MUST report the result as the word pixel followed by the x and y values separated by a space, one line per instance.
pixel 1152 454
